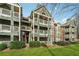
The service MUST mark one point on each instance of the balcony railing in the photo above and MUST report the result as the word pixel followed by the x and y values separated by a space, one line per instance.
pixel 7 28
pixel 66 36
pixel 43 31
pixel 4 28
pixel 16 30
pixel 66 30
pixel 26 28
pixel 5 12
pixel 43 21
pixel 16 14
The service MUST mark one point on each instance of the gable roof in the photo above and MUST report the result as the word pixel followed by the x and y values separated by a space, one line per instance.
pixel 17 4
pixel 42 10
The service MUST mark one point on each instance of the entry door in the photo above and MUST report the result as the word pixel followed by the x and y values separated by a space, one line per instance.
pixel 27 37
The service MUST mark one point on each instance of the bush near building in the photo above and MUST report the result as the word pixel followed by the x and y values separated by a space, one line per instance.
pixel 62 43
pixel 34 44
pixel 3 46
pixel 17 44
pixel 77 42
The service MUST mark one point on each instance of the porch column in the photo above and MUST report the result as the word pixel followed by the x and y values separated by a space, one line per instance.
pixel 12 23
pixel 51 39
pixel 30 39
pixel 49 33
pixel 33 26
pixel 38 27
pixel 20 11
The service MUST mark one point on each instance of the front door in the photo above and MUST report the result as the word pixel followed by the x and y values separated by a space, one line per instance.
pixel 27 40
pixel 26 37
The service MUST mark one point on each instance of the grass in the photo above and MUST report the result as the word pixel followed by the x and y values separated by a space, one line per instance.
pixel 71 50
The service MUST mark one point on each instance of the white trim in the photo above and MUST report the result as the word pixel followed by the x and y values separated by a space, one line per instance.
pixel 42 14
pixel 19 24
pixel 14 4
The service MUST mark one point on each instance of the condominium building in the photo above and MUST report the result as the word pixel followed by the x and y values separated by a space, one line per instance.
pixel 70 29
pixel 10 19
pixel 36 27
pixel 41 21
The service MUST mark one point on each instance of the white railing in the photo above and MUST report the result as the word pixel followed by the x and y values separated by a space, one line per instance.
pixel 43 32
pixel 67 30
pixel 73 30
pixel 67 36
pixel 5 12
pixel 5 28
pixel 16 14
pixel 26 27
pixel 43 21
pixel 16 28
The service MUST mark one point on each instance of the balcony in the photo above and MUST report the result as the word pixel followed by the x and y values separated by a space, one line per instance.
pixel 5 12
pixel 44 22
pixel 16 30
pixel 4 28
pixel 43 32
pixel 36 21
pixel 26 28
pixel 35 32
pixel 66 36
pixel 16 16
pixel 73 30
pixel 66 30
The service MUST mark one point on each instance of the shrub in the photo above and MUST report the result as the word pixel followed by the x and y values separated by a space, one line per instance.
pixel 43 44
pixel 17 44
pixel 62 43
pixel 3 46
pixel 77 42
pixel 34 44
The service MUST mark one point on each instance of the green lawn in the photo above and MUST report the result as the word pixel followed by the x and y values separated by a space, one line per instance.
pixel 71 50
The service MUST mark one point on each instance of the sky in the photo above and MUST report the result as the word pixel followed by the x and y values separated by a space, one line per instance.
pixel 60 11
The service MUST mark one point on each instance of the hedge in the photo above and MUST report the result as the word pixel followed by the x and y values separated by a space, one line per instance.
pixel 17 44
pixel 62 43
pixel 3 46
pixel 34 44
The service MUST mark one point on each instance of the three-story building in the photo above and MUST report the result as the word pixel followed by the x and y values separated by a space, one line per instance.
pixel 41 25
pixel 10 19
